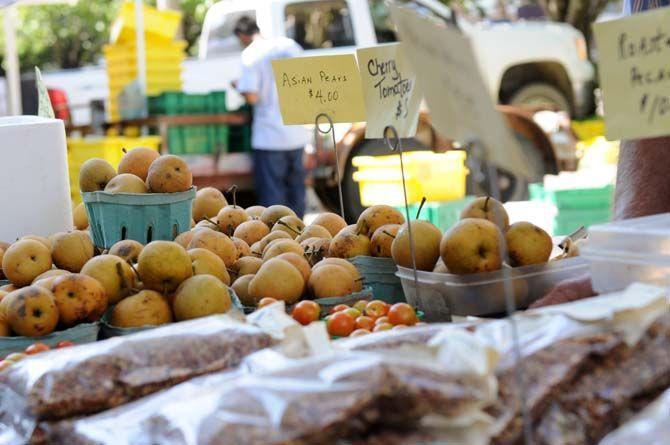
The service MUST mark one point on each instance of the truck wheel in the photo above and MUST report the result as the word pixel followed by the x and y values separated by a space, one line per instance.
pixel 350 190
pixel 541 94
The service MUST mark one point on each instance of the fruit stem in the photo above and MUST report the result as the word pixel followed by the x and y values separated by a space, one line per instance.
pixel 123 149
pixel 486 204
pixel 282 223
pixel 259 255
pixel 418 212
pixel 233 189
pixel 137 273
pixel 389 234
pixel 216 225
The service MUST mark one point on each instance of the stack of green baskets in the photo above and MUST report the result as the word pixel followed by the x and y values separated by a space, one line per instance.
pixel 141 217
pixel 380 275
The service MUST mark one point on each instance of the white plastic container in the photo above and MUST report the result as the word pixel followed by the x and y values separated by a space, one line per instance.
pixel 483 294
pixel 623 252
pixel 34 183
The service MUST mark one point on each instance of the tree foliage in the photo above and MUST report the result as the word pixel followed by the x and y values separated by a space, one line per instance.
pixel 62 36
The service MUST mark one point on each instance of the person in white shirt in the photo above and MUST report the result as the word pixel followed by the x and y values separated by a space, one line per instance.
pixel 277 149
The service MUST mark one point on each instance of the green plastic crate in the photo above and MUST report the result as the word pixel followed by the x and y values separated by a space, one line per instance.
pixel 442 214
pixel 574 199
pixel 217 102
pixel 80 334
pixel 567 221
pixel 380 275
pixel 140 217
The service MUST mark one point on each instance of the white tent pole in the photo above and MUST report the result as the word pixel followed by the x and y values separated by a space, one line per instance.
pixel 141 46
pixel 12 69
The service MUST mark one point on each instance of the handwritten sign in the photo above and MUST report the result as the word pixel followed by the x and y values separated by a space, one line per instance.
pixel 460 105
pixel 390 90
pixel 634 55
pixel 308 86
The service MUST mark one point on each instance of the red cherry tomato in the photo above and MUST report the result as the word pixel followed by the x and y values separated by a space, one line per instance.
pixel 36 348
pixel 4 364
pixel 339 308
pixel 383 327
pixel 376 308
pixel 340 324
pixel 381 320
pixel 364 322
pixel 360 305
pixel 64 344
pixel 306 312
pixel 266 302
pixel 359 332
pixel 402 313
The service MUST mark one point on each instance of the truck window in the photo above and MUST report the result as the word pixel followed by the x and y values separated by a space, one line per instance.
pixel 221 39
pixel 320 24
pixel 381 19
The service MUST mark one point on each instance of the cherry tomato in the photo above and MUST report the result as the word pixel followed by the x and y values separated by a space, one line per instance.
pixel 266 302
pixel 383 327
pixel 381 320
pixel 339 308
pixel 376 308
pixel 359 332
pixel 364 322
pixel 306 312
pixel 355 313
pixel 36 348
pixel 360 305
pixel 15 357
pixel 4 364
pixel 340 324
pixel 64 344
pixel 402 313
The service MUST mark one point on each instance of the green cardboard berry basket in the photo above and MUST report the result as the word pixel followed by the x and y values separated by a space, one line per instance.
pixel 326 304
pixel 80 334
pixel 141 217
pixel 107 330
pixel 380 275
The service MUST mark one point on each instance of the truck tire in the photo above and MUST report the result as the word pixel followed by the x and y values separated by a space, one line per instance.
pixel 541 94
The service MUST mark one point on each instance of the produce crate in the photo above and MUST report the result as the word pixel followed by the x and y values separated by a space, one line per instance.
pixel 435 176
pixel 80 334
pixel 380 275
pixel 574 199
pixel 576 207
pixel 159 26
pixel 142 217
pixel 192 139
pixel 108 148
pixel 442 214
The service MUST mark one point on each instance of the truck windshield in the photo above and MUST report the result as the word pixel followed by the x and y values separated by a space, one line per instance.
pixel 221 39
pixel 320 24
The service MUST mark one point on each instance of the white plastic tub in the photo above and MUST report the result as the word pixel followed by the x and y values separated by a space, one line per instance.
pixel 623 252
pixel 483 294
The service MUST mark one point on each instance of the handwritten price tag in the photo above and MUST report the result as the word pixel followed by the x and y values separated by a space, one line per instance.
pixel 308 86
pixel 634 58
pixel 460 105
pixel 390 88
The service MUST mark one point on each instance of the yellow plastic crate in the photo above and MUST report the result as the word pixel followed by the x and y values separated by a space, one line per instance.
pixel 155 53
pixel 435 176
pixel 158 25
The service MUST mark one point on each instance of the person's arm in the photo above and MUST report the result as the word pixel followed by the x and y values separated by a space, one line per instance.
pixel 250 98
pixel 249 84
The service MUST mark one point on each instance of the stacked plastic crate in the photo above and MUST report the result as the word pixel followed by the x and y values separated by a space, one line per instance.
pixel 164 54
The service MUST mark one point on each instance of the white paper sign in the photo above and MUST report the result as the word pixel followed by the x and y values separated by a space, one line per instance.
pixel 390 90
pixel 460 105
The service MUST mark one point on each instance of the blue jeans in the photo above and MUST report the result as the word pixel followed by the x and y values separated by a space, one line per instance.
pixel 279 177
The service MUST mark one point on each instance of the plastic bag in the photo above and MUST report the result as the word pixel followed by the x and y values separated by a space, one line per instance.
pixel 310 401
pixel 649 427
pixel 90 378
pixel 607 392
pixel 412 337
